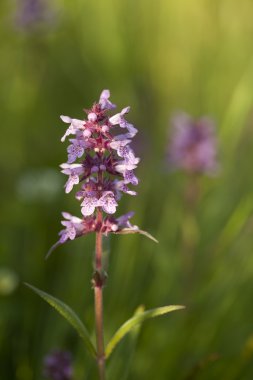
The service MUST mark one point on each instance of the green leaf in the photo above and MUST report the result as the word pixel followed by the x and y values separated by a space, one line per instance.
pixel 136 231
pixel 69 315
pixel 236 222
pixel 121 369
pixel 135 320
pixel 136 329
pixel 238 109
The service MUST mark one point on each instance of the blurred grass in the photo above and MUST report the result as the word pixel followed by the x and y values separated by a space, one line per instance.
pixel 157 56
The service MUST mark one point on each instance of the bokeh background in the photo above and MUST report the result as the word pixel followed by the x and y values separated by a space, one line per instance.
pixel 157 56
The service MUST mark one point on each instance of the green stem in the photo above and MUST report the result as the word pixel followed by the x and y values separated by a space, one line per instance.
pixel 190 231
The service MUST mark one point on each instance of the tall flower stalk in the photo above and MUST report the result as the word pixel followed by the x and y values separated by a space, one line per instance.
pixel 101 162
pixel 104 171
pixel 193 150
pixel 98 289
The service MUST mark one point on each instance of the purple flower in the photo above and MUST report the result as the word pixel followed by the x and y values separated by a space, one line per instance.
pixel 74 227
pixel 129 177
pixel 118 144
pixel 121 121
pixel 122 187
pixel 114 225
pixel 119 118
pixel 123 166
pixel 31 13
pixel 128 154
pixel 123 221
pixel 104 171
pixel 105 102
pixel 73 171
pixel 94 141
pixel 126 169
pixel 90 202
pixel 193 146
pixel 108 203
pixel 58 366
pixel 75 125
pixel 77 148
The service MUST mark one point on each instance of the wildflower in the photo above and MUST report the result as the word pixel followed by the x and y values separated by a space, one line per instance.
pixel 105 102
pixel 108 202
pixel 57 366
pixel 74 227
pixel 73 171
pixel 104 170
pixel 193 146
pixel 32 13
pixel 112 224
pixel 75 125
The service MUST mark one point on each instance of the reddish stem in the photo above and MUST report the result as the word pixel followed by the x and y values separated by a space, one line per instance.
pixel 98 289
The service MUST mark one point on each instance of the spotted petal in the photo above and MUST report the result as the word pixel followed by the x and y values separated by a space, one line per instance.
pixel 108 203
pixel 73 180
pixel 75 150
pixel 88 205
pixel 129 177
pixel 117 144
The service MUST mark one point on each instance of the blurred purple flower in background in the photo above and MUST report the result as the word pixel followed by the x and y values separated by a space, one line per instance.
pixel 193 145
pixel 58 366
pixel 31 13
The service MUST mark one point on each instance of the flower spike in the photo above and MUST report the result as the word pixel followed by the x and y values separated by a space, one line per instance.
pixel 102 163
pixel 193 146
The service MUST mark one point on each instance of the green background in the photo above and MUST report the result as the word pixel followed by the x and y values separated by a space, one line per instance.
pixel 157 56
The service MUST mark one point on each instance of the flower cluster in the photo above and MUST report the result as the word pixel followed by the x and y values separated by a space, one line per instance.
pixel 193 146
pixel 102 163
pixel 58 366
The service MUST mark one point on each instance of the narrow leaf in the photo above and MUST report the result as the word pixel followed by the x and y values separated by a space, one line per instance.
pixel 56 245
pixel 120 369
pixel 136 231
pixel 238 109
pixel 136 329
pixel 135 320
pixel 69 315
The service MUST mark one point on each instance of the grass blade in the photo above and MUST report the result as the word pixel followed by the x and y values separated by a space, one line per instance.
pixel 134 321
pixel 69 315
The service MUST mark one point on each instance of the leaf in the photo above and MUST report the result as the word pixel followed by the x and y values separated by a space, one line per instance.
pixel 235 224
pixel 136 329
pixel 69 315
pixel 120 369
pixel 135 320
pixel 56 245
pixel 136 231
pixel 239 107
